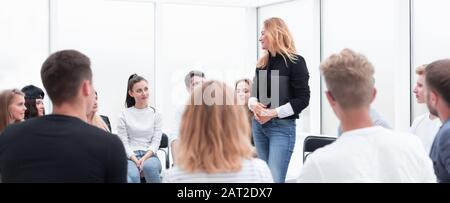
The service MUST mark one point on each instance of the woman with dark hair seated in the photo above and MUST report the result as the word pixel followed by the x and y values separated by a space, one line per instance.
pixel 34 101
pixel 139 128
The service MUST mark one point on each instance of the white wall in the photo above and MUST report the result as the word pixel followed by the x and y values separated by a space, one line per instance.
pixel 118 36
pixel 431 38
pixel 376 29
pixel 216 40
pixel 23 42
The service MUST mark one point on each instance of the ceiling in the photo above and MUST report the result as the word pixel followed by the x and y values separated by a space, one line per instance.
pixel 228 3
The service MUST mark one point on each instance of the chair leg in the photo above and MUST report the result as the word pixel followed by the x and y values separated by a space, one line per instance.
pixel 167 160
pixel 168 157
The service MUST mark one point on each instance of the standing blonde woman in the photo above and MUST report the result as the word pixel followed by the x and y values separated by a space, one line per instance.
pixel 280 93
pixel 214 143
pixel 12 107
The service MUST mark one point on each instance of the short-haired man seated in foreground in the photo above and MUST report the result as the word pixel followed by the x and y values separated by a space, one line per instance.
pixel 62 147
pixel 364 152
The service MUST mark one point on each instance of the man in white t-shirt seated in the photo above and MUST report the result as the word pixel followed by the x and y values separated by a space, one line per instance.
pixel 426 125
pixel 364 152
pixel 192 80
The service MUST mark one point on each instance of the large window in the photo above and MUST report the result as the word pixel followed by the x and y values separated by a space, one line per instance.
pixel 430 39
pixel 118 36
pixel 215 40
pixel 23 42
pixel 361 26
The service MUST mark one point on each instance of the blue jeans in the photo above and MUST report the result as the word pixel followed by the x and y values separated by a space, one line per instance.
pixel 274 143
pixel 151 169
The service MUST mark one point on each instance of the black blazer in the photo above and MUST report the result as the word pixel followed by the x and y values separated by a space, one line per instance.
pixel 289 80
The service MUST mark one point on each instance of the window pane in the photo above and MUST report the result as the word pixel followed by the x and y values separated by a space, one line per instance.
pixel 23 42
pixel 430 40
pixel 210 39
pixel 118 36
pixel 358 24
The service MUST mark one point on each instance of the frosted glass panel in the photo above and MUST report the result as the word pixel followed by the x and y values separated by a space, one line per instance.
pixel 359 25
pixel 431 38
pixel 210 39
pixel 118 36
pixel 23 42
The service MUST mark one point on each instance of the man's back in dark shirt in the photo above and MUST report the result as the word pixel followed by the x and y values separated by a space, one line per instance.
pixel 440 153
pixel 58 148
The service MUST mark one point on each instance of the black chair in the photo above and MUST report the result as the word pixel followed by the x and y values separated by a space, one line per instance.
pixel 312 143
pixel 164 146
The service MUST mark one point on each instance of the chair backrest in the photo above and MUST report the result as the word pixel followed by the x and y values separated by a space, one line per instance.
pixel 164 141
pixel 312 143
pixel 164 146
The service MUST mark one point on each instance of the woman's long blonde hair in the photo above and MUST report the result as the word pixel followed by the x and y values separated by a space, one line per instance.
pixel 280 41
pixel 213 138
pixel 98 122
pixel 6 98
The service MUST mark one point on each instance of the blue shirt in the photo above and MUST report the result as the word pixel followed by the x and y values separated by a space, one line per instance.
pixel 440 153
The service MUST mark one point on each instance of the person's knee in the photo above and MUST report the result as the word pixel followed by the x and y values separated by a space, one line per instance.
pixel 152 165
pixel 133 177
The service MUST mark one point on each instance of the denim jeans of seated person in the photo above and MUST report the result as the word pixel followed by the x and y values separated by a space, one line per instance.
pixel 151 169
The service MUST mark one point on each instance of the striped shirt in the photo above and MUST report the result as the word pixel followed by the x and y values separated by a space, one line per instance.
pixel 252 171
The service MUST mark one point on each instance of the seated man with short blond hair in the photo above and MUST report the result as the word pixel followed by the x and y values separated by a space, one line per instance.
pixel 364 152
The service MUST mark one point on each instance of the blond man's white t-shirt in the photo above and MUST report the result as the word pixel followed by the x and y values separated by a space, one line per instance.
pixel 370 155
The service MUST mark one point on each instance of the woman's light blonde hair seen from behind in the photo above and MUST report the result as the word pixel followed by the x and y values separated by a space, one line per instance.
pixel 280 41
pixel 213 138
